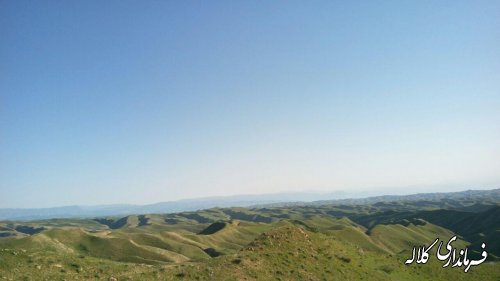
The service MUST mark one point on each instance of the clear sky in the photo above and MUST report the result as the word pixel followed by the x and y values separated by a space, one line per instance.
pixel 146 101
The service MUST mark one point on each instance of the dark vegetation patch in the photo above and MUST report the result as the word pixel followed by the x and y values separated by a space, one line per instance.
pixel 29 229
pixel 212 252
pixel 213 228
pixel 143 220
pixel 112 223
pixel 105 221
pixel 196 217
pixel 171 221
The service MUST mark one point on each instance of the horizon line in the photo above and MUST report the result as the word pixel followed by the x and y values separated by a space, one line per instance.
pixel 256 194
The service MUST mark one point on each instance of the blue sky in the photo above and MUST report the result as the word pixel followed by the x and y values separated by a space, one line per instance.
pixel 145 101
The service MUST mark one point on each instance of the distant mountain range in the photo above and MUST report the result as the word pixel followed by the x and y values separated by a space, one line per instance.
pixel 163 207
pixel 261 200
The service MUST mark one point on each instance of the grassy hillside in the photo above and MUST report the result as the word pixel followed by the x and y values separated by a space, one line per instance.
pixel 317 242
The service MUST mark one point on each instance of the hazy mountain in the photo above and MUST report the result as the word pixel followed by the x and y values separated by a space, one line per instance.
pixel 162 207
pixel 452 200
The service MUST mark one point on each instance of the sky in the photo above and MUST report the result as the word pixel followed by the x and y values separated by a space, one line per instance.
pixel 105 102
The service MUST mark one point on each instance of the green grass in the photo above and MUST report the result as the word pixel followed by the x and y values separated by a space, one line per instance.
pixel 323 242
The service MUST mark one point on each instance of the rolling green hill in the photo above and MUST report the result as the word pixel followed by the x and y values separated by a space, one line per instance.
pixel 312 242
